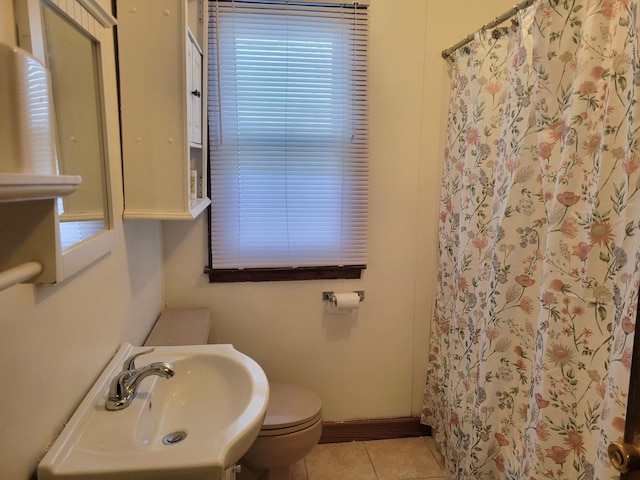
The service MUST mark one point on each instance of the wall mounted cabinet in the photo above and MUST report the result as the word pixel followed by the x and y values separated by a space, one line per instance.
pixel 162 59
pixel 194 92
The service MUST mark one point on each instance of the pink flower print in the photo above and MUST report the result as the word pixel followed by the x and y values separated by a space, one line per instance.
pixel 556 284
pixel 444 328
pixel 541 402
pixel 626 358
pixel 493 87
pixel 582 251
pixel 628 326
pixel 592 144
pixel 618 423
pixel 587 88
pixel 569 227
pixel 609 9
pixel 480 242
pixel 545 149
pixel 548 298
pixel 575 442
pixel 631 164
pixel 542 431
pixel 568 199
pixel 454 421
pixel 526 304
pixel 557 454
pixel 501 439
pixel 524 280
pixel 492 333
pixel 463 285
pixel 473 136
pixel 601 233
pixel 560 355
pixel 558 129
pixel 597 72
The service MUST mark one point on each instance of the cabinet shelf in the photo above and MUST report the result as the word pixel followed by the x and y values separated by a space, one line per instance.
pixel 196 207
pixel 24 186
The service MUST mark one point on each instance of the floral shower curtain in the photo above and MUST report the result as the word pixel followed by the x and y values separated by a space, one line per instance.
pixel 539 246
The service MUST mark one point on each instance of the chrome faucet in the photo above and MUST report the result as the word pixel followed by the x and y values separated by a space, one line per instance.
pixel 124 387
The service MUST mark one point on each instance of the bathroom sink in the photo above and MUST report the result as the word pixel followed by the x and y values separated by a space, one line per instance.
pixel 188 427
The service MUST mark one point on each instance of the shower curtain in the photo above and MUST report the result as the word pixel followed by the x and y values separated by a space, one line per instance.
pixel 539 246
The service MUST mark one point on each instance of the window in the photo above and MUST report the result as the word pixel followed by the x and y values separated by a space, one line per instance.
pixel 288 140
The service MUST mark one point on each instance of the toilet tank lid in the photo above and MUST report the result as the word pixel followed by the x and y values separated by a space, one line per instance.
pixel 181 326
pixel 290 405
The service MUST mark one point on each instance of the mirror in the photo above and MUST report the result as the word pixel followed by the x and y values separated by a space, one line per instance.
pixel 72 59
pixel 74 39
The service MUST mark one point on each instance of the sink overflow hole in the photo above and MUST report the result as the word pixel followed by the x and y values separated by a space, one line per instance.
pixel 173 438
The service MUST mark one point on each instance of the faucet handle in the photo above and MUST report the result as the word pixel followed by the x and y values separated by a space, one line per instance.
pixel 129 363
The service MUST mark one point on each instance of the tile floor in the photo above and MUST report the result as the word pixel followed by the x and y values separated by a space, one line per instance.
pixel 397 459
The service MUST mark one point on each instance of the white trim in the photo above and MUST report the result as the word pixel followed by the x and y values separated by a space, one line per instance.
pixel 99 13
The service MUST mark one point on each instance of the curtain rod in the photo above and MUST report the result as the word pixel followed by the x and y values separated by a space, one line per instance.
pixel 497 21
pixel 337 3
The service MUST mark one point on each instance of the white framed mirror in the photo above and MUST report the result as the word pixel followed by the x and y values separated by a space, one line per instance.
pixel 68 37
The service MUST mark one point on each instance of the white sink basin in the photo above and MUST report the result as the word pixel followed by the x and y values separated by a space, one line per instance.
pixel 215 402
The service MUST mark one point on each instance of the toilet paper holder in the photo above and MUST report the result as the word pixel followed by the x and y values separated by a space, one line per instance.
pixel 331 297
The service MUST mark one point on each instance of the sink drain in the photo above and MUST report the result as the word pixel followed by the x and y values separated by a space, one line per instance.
pixel 173 438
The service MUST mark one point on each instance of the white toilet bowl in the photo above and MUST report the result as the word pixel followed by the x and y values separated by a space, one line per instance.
pixel 291 428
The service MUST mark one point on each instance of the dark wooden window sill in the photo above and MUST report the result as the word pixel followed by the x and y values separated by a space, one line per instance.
pixel 284 274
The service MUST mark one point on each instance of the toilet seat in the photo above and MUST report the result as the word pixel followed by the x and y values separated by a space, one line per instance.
pixel 290 409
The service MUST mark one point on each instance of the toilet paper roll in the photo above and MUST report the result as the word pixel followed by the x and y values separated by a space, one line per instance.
pixel 347 301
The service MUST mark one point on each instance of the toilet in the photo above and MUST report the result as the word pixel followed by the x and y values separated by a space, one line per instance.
pixel 291 428
pixel 293 422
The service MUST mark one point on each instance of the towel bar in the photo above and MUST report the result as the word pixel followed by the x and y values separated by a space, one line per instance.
pixel 19 274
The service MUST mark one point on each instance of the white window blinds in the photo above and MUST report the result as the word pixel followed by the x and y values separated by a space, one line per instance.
pixel 288 134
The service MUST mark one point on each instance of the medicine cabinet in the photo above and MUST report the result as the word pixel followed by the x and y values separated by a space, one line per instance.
pixel 162 59
pixel 73 39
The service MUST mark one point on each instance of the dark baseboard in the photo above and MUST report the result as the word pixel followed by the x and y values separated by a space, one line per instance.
pixel 373 429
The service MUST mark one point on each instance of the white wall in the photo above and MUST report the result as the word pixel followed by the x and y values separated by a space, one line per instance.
pixel 55 340
pixel 370 365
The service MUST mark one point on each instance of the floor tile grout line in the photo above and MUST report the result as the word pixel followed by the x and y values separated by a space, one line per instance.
pixel 306 468
pixel 433 454
pixel 435 451
pixel 373 466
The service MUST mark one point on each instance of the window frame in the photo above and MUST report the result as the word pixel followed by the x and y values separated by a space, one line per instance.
pixel 291 273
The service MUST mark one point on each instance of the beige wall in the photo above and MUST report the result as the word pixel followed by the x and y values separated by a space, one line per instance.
pixel 371 364
pixel 55 340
